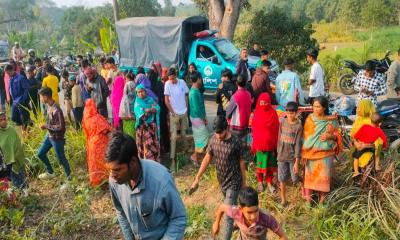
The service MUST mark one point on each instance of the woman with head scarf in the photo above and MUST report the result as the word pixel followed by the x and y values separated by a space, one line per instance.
pixel 126 112
pixel 158 88
pixel 157 68
pixel 164 75
pixel 116 97
pixel 147 114
pixel 265 127
pixel 141 79
pixel 365 110
pixel 96 129
pixel 322 142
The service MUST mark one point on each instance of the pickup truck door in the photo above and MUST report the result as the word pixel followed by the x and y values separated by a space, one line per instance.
pixel 209 65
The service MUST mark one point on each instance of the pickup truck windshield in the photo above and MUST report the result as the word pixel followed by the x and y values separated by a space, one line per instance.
pixel 227 50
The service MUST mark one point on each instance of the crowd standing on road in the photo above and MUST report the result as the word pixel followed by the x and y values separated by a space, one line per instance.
pixel 127 149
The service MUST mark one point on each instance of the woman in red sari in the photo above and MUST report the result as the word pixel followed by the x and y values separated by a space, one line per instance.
pixel 96 130
pixel 265 128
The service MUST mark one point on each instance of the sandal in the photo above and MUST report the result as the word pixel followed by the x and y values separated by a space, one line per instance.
pixel 194 161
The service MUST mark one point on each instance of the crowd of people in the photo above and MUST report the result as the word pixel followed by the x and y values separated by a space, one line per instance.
pixel 128 148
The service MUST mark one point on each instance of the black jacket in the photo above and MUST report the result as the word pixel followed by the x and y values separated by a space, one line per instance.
pixel 224 93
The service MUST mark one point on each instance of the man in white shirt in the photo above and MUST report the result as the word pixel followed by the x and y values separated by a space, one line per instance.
pixel 316 80
pixel 176 92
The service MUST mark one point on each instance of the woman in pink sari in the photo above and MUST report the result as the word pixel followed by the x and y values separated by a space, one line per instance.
pixel 116 97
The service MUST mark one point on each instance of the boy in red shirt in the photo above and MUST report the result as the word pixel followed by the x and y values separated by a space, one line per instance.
pixel 368 134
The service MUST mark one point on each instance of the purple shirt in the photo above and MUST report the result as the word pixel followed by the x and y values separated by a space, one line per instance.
pixel 258 230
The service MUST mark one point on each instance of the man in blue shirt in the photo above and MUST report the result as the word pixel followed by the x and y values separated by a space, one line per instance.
pixel 288 86
pixel 144 194
pixel 19 92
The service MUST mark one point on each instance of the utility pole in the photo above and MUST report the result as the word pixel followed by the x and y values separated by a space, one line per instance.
pixel 116 10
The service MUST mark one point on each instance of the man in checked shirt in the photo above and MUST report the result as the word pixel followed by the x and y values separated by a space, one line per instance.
pixel 369 83
pixel 55 125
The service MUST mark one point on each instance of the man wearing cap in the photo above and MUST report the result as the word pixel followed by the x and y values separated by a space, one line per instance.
pixel 317 75
pixel 19 92
pixel 98 90
pixel 33 88
pixel 11 147
pixel 288 86
pixel 176 92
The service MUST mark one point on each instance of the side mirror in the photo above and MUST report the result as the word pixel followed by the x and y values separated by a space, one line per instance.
pixel 215 60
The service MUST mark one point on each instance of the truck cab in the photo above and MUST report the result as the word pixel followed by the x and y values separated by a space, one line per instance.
pixel 3 51
pixel 211 56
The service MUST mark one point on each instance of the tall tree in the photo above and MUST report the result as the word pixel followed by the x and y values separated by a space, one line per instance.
pixel 138 8
pixel 168 9
pixel 298 9
pixel 315 10
pixel 223 15
pixel 376 13
pixel 349 12
pixel 281 34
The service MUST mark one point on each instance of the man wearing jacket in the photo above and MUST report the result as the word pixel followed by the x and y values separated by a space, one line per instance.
pixel 19 92
pixel 242 66
pixel 261 83
pixel 143 193
pixel 225 91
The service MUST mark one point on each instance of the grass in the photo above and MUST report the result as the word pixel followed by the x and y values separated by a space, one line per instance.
pixel 359 44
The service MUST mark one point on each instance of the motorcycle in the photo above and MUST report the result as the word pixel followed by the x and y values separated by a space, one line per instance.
pixel 347 80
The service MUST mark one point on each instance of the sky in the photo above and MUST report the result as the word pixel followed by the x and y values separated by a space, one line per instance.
pixel 93 3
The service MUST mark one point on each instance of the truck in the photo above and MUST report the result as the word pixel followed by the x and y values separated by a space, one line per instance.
pixel 3 51
pixel 176 40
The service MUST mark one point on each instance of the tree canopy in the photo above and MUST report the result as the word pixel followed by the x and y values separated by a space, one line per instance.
pixel 282 35
pixel 355 13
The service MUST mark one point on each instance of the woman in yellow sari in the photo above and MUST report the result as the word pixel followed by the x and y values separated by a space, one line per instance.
pixel 322 142
pixel 365 109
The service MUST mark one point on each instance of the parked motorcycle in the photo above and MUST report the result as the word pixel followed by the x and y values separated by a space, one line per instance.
pixel 346 81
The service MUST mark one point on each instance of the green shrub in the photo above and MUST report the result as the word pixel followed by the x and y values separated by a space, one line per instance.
pixel 198 222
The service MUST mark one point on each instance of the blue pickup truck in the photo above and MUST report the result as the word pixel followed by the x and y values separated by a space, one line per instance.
pixel 176 40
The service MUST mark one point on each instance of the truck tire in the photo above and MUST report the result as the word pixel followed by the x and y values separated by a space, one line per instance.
pixel 345 85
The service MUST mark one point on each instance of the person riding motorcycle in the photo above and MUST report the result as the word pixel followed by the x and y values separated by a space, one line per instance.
pixel 32 57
